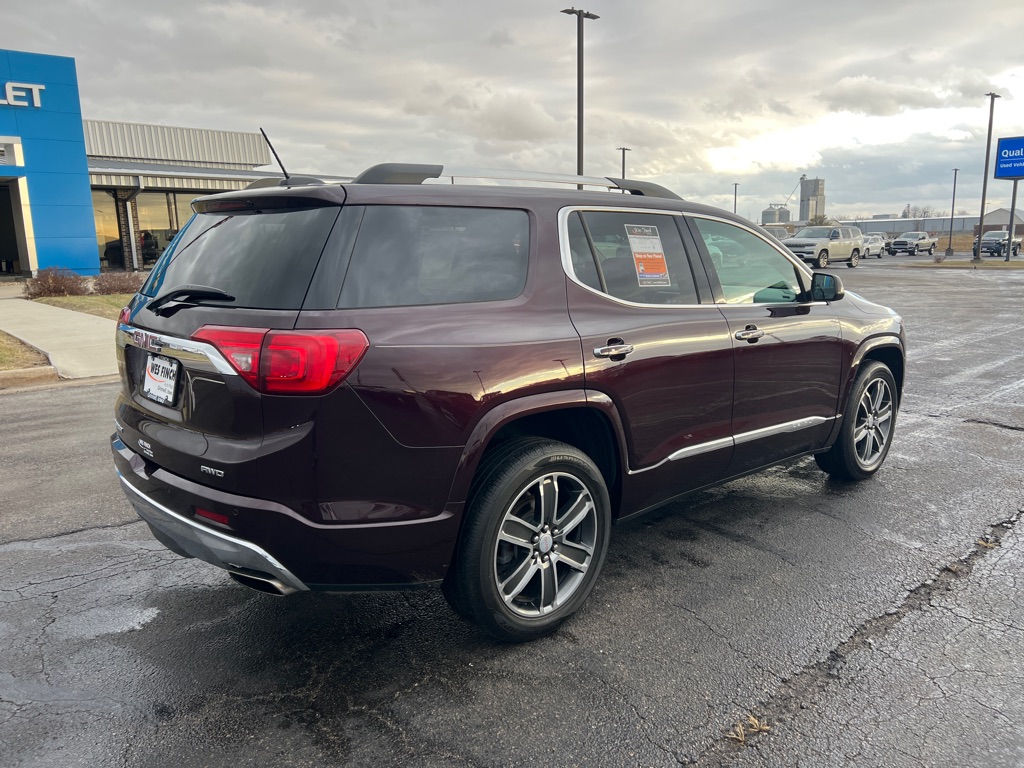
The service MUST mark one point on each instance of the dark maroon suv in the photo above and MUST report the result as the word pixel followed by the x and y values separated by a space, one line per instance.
pixel 389 383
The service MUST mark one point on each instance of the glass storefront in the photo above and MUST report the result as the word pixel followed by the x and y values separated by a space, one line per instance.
pixel 108 238
pixel 160 216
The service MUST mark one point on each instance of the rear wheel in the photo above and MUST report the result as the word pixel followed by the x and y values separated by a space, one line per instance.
pixel 868 426
pixel 931 250
pixel 854 259
pixel 534 539
pixel 822 260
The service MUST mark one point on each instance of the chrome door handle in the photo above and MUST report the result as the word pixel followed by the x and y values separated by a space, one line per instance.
pixel 750 334
pixel 613 350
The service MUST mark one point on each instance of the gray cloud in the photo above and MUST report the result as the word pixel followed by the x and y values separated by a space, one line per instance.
pixel 341 86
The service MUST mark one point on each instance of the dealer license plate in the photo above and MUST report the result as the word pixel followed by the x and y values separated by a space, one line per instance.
pixel 161 379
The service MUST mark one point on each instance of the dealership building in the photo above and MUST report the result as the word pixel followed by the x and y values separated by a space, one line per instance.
pixel 94 195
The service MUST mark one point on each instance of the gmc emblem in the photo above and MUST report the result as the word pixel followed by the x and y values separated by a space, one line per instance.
pixel 146 340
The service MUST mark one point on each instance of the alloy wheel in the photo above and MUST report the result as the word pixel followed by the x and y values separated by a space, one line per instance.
pixel 545 544
pixel 874 423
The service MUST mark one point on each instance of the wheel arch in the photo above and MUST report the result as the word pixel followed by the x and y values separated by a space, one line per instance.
pixel 587 420
pixel 887 350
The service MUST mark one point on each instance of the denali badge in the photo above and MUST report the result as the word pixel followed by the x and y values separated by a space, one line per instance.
pixel 211 471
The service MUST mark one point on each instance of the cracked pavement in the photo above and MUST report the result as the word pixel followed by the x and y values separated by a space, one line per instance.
pixel 871 624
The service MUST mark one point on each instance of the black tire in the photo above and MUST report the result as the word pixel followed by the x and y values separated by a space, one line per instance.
pixel 873 394
pixel 822 260
pixel 854 259
pixel 931 251
pixel 913 251
pixel 531 553
pixel 880 252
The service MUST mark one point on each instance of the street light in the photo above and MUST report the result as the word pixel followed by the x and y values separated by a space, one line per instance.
pixel 580 16
pixel 734 194
pixel 952 212
pixel 624 150
pixel 984 181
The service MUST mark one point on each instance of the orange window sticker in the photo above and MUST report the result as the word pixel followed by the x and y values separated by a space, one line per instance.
pixel 648 255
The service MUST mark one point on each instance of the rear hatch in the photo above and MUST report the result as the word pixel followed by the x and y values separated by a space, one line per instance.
pixel 210 334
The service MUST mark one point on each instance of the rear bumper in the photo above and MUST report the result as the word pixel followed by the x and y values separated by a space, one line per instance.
pixel 189 539
pixel 271 543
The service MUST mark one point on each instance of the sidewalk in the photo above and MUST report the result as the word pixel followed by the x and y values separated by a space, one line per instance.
pixel 78 345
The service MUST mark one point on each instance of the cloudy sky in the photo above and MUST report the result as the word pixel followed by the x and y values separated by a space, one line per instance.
pixel 881 99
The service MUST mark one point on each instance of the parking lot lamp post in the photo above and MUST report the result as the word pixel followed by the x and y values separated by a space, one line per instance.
pixel 984 180
pixel 735 187
pixel 952 211
pixel 580 16
pixel 623 150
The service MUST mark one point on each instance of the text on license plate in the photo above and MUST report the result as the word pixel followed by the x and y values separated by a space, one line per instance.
pixel 161 378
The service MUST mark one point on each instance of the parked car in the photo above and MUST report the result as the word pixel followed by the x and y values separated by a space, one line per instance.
pixel 913 243
pixel 824 244
pixel 384 385
pixel 874 245
pixel 780 232
pixel 993 243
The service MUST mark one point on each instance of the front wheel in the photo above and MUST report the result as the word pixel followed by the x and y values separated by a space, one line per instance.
pixel 854 259
pixel 913 251
pixel 868 426
pixel 822 260
pixel 534 539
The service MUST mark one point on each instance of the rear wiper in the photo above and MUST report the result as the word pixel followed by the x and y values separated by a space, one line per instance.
pixel 193 294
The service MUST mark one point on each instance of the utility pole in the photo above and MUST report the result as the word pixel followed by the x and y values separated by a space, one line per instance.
pixel 952 213
pixel 984 181
pixel 623 150
pixel 580 16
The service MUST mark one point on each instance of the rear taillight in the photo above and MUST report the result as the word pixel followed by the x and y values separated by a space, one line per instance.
pixel 125 316
pixel 288 362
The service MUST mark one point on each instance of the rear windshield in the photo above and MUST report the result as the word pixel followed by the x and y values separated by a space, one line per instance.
pixel 412 255
pixel 265 260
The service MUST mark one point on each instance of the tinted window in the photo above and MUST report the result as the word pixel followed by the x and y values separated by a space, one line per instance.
pixel 264 260
pixel 409 255
pixel 583 263
pixel 750 270
pixel 641 257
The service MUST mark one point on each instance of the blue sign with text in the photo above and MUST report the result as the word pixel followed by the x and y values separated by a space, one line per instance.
pixel 43 166
pixel 1010 158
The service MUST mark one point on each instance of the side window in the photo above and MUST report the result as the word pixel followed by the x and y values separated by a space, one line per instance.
pixel 641 257
pixel 413 255
pixel 750 270
pixel 583 263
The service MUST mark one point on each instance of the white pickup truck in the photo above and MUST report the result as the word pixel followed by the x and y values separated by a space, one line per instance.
pixel 913 243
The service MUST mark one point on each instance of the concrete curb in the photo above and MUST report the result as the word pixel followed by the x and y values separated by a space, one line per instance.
pixel 28 377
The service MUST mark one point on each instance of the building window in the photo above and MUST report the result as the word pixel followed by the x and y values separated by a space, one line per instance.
pixel 108 237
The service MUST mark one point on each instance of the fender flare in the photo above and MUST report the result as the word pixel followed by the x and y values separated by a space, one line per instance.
pixel 876 342
pixel 510 410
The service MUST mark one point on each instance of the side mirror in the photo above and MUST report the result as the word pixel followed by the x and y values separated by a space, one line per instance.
pixel 826 287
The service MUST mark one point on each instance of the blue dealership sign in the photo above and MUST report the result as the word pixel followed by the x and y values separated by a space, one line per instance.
pixel 1010 158
pixel 43 165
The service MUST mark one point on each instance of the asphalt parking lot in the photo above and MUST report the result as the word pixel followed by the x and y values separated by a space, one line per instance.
pixel 873 624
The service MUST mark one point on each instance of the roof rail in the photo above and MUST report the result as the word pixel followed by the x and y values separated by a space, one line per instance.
pixel 417 173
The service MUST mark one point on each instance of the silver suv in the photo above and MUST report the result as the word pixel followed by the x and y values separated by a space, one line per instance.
pixel 820 245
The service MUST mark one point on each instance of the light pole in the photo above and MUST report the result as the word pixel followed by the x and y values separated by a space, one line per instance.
pixel 984 181
pixel 735 187
pixel 952 213
pixel 580 16
pixel 624 150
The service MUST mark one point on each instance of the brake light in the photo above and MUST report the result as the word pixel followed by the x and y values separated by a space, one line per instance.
pixel 125 316
pixel 288 362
